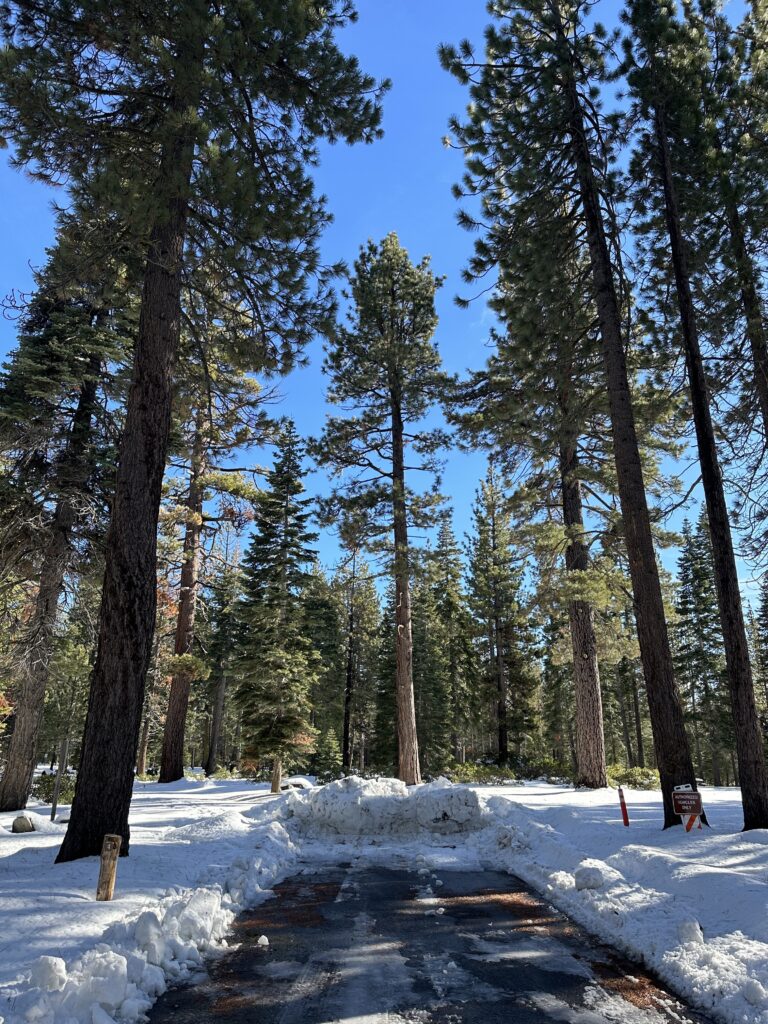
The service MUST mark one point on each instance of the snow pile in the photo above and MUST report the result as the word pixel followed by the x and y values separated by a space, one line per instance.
pixel 691 907
pixel 161 940
pixel 375 807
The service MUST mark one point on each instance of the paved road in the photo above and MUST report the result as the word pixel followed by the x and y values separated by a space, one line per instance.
pixel 375 946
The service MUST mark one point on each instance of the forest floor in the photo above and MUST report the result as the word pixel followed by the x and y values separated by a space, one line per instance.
pixel 693 908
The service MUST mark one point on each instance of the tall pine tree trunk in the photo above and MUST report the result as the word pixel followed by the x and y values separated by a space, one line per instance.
pixel 590 742
pixel 217 717
pixel 673 755
pixel 349 681
pixel 105 779
pixel 407 742
pixel 36 646
pixel 277 775
pixel 172 759
pixel 749 740
pixel 639 745
pixel 502 729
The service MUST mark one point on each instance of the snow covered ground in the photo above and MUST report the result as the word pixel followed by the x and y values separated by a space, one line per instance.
pixel 693 907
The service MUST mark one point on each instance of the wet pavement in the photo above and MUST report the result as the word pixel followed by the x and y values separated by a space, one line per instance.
pixel 368 945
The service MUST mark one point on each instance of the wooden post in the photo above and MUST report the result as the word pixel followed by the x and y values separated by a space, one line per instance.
pixel 110 851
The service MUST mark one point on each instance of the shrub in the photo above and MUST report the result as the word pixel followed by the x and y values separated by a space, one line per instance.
pixel 632 778
pixel 44 785
pixel 480 774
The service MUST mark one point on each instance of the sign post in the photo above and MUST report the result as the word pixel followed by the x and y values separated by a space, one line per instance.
pixel 687 804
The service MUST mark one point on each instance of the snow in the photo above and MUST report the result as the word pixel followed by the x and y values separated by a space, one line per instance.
pixel 200 852
pixel 355 806
pixel 692 907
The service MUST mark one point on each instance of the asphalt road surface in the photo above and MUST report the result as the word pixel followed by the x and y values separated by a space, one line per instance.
pixel 368 945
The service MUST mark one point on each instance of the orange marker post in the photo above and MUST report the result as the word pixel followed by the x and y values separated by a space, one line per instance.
pixel 623 803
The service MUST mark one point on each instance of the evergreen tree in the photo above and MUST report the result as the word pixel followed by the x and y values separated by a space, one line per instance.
pixel 277 663
pixel 699 651
pixel 457 627
pixel 201 122
pixel 56 430
pixel 431 675
pixel 546 64
pixel 223 596
pixel 221 412
pixel 658 74
pixel 495 598
pixel 385 370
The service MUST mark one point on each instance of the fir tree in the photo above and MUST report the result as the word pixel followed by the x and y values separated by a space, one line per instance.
pixel 699 651
pixel 56 429
pixel 201 122
pixel 385 369
pixel 277 663
pixel 658 68
pixel 494 591
pixel 545 69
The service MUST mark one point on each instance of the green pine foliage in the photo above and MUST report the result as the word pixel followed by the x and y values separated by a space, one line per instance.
pixel 505 634
pixel 699 656
pixel 277 662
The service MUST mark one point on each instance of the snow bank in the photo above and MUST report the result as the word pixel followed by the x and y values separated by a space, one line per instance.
pixel 161 940
pixel 691 907
pixel 375 807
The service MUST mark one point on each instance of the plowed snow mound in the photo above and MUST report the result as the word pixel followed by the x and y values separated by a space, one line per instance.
pixel 355 806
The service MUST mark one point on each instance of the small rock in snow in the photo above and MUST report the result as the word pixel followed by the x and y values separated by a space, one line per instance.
pixel 690 931
pixel 586 877
pixel 49 973
pixel 22 824
pixel 262 941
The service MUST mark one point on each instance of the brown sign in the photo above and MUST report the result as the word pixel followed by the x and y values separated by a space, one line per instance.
pixel 686 803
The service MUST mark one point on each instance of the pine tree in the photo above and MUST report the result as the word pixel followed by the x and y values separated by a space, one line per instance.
pixel 221 409
pixel 224 590
pixel 385 369
pixel 56 429
pixel 277 664
pixel 699 651
pixel 455 618
pixel 657 62
pixel 201 122
pixel 431 675
pixel 545 69
pixel 495 592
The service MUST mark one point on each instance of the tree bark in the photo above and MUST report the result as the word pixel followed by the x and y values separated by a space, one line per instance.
pixel 127 619
pixel 499 647
pixel 749 740
pixel 277 775
pixel 407 742
pixel 36 645
pixel 670 740
pixel 349 682
pixel 640 747
pixel 172 758
pixel 590 741
pixel 217 716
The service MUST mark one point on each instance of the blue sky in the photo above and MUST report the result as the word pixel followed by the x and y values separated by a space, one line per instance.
pixel 402 184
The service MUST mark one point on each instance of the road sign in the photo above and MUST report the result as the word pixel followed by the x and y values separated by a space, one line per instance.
pixel 686 803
